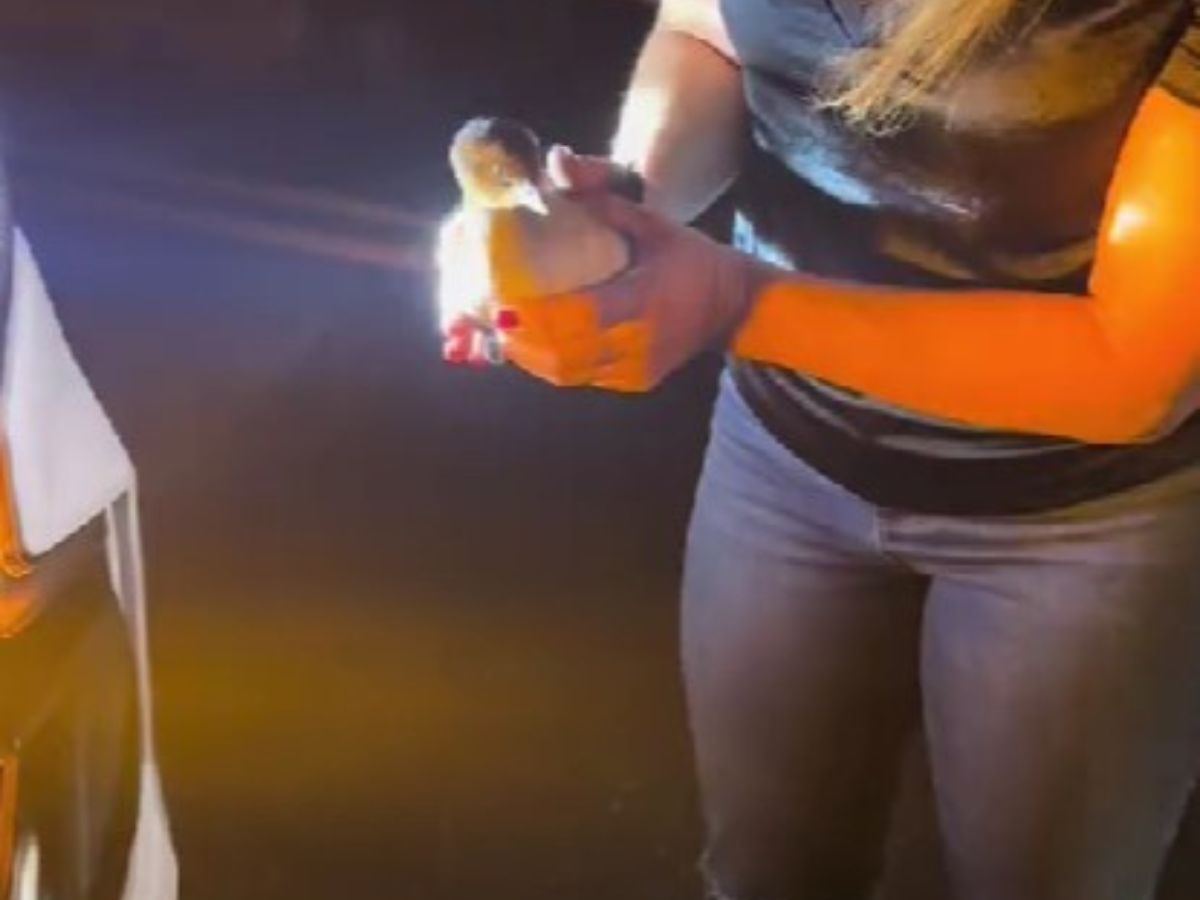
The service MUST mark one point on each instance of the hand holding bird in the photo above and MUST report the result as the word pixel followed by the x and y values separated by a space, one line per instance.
pixel 514 236
pixel 577 287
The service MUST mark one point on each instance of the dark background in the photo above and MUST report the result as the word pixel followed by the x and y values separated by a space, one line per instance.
pixel 413 626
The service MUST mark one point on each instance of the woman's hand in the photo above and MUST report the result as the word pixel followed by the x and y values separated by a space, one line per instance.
pixel 682 293
pixel 467 313
pixel 575 174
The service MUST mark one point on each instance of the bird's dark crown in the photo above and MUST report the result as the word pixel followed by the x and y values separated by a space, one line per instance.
pixel 513 137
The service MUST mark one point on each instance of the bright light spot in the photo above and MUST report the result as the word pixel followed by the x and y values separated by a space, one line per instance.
pixel 463 274
pixel 641 121
pixel 1128 219
pixel 27 870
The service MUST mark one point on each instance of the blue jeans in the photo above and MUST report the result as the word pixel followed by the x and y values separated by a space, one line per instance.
pixel 1053 661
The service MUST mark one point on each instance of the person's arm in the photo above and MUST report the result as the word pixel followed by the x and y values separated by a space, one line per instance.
pixel 1119 365
pixel 683 117
pixel 681 128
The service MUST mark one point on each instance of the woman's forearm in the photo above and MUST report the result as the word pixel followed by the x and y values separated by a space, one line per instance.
pixel 1032 363
pixel 682 121
pixel 1117 365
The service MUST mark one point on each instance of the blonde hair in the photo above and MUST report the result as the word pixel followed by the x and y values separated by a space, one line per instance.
pixel 923 45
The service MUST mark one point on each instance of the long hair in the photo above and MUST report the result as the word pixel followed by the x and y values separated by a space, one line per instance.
pixel 923 45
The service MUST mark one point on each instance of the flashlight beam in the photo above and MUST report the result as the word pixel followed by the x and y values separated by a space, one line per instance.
pixel 390 255
pixel 315 201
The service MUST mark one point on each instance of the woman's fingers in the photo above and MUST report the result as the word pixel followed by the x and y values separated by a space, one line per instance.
pixel 471 340
pixel 456 340
pixel 616 359
pixel 636 222
pixel 555 339
pixel 573 173
pixel 625 365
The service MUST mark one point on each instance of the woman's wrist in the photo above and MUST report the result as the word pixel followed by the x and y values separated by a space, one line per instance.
pixel 740 280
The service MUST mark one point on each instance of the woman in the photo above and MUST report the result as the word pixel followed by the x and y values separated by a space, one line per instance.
pixel 953 471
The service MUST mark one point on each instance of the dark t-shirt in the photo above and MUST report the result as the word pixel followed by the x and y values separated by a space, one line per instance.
pixel 998 184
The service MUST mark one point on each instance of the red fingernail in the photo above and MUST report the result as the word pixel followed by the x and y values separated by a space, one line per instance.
pixel 456 349
pixel 459 327
pixel 508 319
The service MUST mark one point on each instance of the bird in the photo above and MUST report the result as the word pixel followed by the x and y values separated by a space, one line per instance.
pixel 529 239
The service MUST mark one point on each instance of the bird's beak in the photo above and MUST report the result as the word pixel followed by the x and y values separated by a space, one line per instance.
pixel 531 198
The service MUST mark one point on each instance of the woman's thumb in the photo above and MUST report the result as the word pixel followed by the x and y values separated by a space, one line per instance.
pixel 631 219
pixel 573 173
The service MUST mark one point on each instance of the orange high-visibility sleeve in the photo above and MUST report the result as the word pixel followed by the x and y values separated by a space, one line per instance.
pixel 1110 367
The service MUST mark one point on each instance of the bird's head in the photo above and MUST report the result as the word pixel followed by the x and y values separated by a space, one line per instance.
pixel 498 164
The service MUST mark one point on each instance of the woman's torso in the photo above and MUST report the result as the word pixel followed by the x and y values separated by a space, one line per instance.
pixel 999 183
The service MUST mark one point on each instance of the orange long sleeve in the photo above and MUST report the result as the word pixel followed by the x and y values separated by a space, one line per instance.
pixel 1114 366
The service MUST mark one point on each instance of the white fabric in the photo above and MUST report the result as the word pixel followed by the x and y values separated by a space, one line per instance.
pixel 67 467
pixel 66 462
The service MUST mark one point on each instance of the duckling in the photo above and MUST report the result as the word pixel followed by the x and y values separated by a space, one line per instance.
pixel 498 164
pixel 537 242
